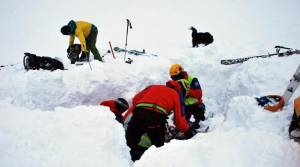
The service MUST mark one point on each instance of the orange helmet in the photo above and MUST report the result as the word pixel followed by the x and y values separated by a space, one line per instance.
pixel 175 69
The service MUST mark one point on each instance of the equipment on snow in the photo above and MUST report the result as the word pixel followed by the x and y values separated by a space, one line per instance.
pixel 271 102
pixel 173 133
pixel 34 62
pixel 134 52
pixel 73 53
pixel 293 85
pixel 112 51
pixel 3 66
pixel 130 26
pixel 129 60
pixel 289 52
pixel 275 102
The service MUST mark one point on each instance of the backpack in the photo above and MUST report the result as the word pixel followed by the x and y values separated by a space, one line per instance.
pixel 34 62
pixel 74 52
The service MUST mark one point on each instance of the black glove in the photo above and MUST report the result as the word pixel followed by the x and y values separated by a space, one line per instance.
pixel 84 56
pixel 195 125
pixel 189 134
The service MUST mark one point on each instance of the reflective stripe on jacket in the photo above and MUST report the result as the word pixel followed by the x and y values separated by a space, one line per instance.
pixel 165 97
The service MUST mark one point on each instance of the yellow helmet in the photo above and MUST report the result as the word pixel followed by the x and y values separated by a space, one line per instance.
pixel 175 69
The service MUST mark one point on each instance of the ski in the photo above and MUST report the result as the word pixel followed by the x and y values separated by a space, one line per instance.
pixel 4 66
pixel 289 52
pixel 134 52
pixel 293 85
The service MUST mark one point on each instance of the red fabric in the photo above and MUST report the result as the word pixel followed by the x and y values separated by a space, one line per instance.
pixel 112 106
pixel 128 112
pixel 165 97
pixel 185 74
pixel 196 93
pixel 174 84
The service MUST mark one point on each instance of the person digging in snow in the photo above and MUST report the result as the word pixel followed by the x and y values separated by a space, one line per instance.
pixel 87 35
pixel 193 101
pixel 150 109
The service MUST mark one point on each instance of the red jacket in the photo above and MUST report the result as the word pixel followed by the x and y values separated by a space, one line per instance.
pixel 112 106
pixel 164 97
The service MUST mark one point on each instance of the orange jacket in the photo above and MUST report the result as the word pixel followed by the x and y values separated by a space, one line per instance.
pixel 166 98
pixel 297 106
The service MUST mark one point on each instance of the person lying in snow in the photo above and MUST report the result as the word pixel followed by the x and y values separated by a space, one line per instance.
pixel 193 101
pixel 294 128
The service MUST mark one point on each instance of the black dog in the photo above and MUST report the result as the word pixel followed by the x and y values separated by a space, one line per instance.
pixel 201 38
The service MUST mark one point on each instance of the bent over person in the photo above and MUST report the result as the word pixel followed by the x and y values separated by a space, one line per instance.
pixel 193 101
pixel 87 34
pixel 150 109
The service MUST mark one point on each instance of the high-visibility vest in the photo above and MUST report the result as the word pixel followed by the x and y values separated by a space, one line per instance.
pixel 190 100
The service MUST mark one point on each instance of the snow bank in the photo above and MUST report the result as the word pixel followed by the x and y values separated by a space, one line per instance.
pixel 249 136
pixel 79 85
pixel 234 148
pixel 81 136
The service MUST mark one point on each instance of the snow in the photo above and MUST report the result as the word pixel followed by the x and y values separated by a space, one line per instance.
pixel 53 118
pixel 62 137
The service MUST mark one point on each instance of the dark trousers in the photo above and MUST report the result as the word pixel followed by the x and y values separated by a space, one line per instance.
pixel 295 123
pixel 145 121
pixel 91 43
pixel 197 110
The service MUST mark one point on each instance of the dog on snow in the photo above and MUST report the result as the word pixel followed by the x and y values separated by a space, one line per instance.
pixel 201 37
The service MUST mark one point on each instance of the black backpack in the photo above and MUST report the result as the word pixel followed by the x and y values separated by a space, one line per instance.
pixel 34 62
pixel 74 52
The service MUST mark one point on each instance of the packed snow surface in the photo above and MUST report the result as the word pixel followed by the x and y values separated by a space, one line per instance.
pixel 53 118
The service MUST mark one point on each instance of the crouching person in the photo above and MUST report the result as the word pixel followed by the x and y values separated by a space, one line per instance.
pixel 294 129
pixel 150 111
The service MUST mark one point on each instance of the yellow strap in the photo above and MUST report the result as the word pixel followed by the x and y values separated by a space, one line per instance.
pixel 152 106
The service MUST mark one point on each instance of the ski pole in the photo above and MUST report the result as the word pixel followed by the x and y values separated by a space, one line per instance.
pixel 89 62
pixel 128 25
pixel 112 51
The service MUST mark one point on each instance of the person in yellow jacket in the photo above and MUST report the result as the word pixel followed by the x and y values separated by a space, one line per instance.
pixel 294 129
pixel 87 35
